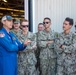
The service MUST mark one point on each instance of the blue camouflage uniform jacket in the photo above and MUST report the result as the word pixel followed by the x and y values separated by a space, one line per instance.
pixel 9 46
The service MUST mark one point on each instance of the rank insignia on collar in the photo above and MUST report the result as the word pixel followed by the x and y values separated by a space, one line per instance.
pixel 2 34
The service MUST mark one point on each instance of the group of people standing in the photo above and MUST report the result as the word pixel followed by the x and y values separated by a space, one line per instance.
pixel 47 52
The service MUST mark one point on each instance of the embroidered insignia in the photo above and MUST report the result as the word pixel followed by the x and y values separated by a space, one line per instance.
pixel 14 38
pixel 2 34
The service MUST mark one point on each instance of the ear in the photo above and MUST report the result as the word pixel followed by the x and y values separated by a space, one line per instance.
pixel 50 23
pixel 70 26
pixel 3 22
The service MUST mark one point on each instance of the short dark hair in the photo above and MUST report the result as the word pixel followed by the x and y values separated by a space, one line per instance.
pixel 40 24
pixel 70 20
pixel 23 20
pixel 47 18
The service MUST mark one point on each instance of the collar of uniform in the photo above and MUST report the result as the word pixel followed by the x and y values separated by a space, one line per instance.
pixel 5 30
pixel 44 32
pixel 66 34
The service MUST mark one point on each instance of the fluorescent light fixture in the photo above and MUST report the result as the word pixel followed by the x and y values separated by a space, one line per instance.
pixel 5 0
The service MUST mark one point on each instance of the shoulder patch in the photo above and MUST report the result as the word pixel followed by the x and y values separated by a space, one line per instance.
pixel 2 34
pixel 14 38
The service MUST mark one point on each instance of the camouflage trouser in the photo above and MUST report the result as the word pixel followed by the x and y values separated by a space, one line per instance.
pixel 48 66
pixel 64 70
pixel 59 70
pixel 37 53
pixel 70 66
pixel 21 69
pixel 28 70
pixel 27 66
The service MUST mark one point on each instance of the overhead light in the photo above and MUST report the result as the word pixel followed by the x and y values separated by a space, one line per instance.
pixel 5 0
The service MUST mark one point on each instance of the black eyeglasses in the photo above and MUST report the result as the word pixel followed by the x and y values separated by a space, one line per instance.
pixel 24 26
pixel 46 22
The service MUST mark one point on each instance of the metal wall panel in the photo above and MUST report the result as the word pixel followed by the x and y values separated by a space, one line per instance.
pixel 57 10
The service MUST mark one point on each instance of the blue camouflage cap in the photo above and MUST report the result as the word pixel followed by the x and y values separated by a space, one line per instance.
pixel 7 17
pixel 17 21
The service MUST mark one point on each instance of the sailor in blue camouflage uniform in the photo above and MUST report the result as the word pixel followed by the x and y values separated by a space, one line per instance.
pixel 26 58
pixel 9 46
pixel 16 27
pixel 66 50
pixel 47 51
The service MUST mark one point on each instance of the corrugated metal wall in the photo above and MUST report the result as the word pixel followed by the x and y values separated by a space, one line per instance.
pixel 57 10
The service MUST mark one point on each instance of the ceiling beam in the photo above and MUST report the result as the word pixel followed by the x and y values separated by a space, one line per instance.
pixel 1 8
